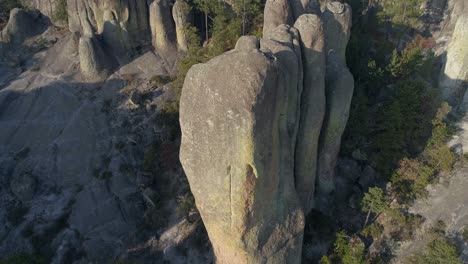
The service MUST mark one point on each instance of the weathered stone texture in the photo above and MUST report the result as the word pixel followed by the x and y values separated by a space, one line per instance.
pixel 246 195
pixel 261 130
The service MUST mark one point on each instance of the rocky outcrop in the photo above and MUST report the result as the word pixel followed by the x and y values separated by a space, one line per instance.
pixel 46 7
pixel 454 75
pixel 312 106
pixel 180 13
pixel 95 64
pixel 244 154
pixel 257 142
pixel 21 25
pixel 339 89
pixel 122 28
pixel 162 28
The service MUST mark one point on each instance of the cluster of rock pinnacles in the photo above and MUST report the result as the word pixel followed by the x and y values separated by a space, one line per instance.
pixel 261 131
pixel 106 31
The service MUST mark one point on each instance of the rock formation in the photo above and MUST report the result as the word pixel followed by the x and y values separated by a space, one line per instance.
pixel 163 33
pixel 21 25
pixel 246 195
pixel 180 13
pixel 454 76
pixel 339 85
pixel 124 27
pixel 253 140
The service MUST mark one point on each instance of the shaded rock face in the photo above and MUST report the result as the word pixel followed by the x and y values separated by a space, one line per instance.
pixel 21 25
pixel 259 145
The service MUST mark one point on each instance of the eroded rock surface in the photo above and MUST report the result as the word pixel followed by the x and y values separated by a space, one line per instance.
pixel 253 139
pixel 246 195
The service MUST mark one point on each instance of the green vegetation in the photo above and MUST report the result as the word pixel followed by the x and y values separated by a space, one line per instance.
pixel 61 13
pixel 348 250
pixel 186 204
pixel 374 201
pixel 225 26
pixel 5 7
pixel 398 122
pixel 440 250
pixel 401 13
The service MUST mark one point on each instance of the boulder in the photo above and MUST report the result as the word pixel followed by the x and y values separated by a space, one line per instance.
pixel 237 154
pixel 276 12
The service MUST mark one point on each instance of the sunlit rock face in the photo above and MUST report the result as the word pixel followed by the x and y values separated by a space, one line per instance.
pixel 122 28
pixel 261 131
pixel 454 75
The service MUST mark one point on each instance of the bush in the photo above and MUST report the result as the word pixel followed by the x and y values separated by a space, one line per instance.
pixel 348 250
pixel 158 80
pixel 439 251
pixel 61 12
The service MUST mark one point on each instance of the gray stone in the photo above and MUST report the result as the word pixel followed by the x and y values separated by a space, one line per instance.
pixel 22 25
pixel 95 65
pixel 339 92
pixel 180 13
pixel 277 12
pixel 312 106
pixel 163 32
pixel 237 155
pixel 23 186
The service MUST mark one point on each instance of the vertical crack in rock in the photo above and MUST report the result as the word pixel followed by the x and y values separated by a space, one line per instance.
pixel 287 99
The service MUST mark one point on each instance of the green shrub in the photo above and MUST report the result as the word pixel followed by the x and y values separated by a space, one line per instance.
pixel 439 251
pixel 325 260
pixel 61 12
pixel 5 7
pixel 158 80
pixel 348 250
pixel 410 179
pixel 186 204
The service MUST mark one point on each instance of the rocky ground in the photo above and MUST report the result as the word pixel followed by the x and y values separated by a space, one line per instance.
pixel 447 202
pixel 76 167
